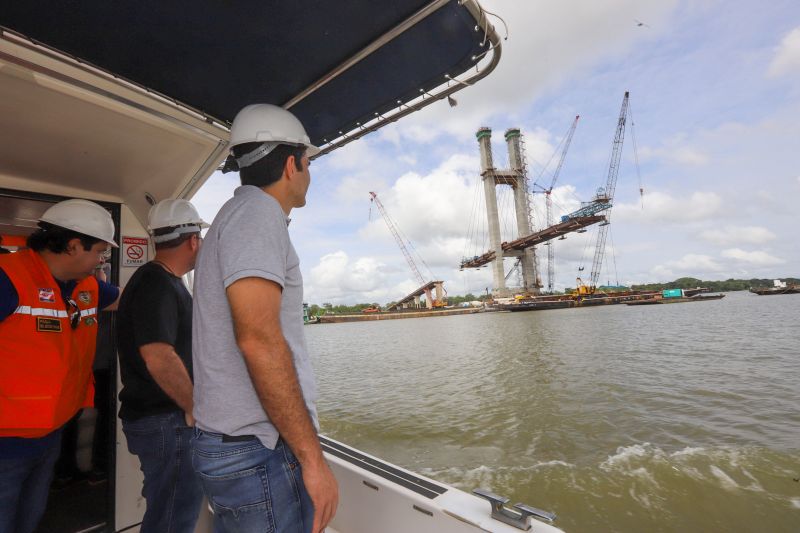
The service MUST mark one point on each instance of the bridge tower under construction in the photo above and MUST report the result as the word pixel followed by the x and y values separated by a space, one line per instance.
pixel 516 177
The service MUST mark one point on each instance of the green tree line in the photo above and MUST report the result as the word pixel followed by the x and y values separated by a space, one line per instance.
pixel 714 286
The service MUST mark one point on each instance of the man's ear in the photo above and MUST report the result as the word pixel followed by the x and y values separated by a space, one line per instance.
pixel 289 167
pixel 74 245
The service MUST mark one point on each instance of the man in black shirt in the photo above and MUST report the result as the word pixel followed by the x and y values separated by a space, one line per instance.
pixel 155 352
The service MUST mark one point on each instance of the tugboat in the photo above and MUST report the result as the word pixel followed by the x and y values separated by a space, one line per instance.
pixel 779 287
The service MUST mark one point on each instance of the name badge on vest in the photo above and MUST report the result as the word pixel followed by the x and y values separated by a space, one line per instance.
pixel 44 323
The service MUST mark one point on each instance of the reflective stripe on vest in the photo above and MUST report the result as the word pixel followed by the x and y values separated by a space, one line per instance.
pixel 40 311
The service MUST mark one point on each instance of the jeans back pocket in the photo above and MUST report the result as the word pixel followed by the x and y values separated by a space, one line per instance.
pixel 240 500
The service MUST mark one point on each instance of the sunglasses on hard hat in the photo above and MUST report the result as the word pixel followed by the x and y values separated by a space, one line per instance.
pixel 74 314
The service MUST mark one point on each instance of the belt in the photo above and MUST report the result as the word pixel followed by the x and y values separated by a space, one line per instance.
pixel 237 438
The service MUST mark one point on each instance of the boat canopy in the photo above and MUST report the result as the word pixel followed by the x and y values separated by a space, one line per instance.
pixel 337 65
pixel 110 100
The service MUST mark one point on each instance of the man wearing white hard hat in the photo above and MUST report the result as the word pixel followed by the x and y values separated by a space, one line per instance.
pixel 49 300
pixel 256 445
pixel 155 355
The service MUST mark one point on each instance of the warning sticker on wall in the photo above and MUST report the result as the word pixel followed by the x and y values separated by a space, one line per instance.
pixel 134 251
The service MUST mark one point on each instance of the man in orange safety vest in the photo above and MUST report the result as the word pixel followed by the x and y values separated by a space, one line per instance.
pixel 49 300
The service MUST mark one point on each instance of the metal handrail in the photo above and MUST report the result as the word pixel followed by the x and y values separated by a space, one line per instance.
pixel 427 98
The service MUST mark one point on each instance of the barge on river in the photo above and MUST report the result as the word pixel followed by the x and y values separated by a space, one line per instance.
pixel 395 315
pixel 542 303
pixel 779 287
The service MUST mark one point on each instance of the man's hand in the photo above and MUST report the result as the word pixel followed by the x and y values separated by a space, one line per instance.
pixel 255 307
pixel 169 372
pixel 324 492
pixel 189 419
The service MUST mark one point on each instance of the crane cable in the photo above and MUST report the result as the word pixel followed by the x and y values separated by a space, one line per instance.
pixel 636 155
pixel 472 225
pixel 614 256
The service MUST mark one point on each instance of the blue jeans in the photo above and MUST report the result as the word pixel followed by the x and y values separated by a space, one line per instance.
pixel 251 488
pixel 163 445
pixel 25 481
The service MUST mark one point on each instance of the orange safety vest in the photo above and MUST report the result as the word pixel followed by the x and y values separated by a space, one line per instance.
pixel 45 365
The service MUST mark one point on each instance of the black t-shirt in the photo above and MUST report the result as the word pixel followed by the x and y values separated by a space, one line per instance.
pixel 155 307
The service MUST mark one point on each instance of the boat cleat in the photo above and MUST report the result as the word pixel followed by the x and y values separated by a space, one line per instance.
pixel 519 516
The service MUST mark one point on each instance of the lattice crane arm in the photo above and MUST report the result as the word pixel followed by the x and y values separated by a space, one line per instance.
pixel 567 142
pixel 611 184
pixel 393 229
pixel 548 202
pixel 616 153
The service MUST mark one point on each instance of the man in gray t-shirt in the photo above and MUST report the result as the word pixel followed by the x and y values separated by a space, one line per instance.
pixel 256 448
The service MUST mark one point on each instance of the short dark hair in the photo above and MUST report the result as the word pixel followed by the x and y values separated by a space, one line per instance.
pixel 55 239
pixel 268 169
pixel 173 243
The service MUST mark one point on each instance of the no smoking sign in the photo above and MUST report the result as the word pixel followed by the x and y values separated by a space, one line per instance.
pixel 134 251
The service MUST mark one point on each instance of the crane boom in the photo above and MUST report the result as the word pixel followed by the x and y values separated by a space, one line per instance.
pixel 607 195
pixel 393 229
pixel 564 152
pixel 551 256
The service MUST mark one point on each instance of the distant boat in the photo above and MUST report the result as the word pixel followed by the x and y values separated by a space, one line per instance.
pixel 779 287
pixel 536 305
pixel 677 300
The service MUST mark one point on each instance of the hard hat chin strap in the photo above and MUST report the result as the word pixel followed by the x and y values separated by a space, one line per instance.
pixel 177 232
pixel 259 153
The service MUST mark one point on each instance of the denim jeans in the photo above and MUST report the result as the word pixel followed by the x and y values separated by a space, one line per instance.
pixel 173 495
pixel 251 488
pixel 25 483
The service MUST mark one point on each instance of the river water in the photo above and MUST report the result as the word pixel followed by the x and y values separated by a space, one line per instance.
pixel 681 417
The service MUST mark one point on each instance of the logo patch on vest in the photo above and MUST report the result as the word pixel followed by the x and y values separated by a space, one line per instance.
pixel 85 296
pixel 47 295
pixel 44 323
pixel 89 321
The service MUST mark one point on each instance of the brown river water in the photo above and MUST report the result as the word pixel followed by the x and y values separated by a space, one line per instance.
pixel 680 417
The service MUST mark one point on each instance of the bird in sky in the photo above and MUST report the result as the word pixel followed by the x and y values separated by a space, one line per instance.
pixel 639 23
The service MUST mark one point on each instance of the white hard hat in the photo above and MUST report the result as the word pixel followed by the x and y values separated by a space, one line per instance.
pixel 268 124
pixel 83 217
pixel 179 214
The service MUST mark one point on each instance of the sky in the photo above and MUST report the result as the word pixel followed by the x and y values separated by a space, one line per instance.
pixel 715 120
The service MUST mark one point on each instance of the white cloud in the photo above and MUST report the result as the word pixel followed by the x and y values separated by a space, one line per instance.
pixel 217 190
pixel 737 235
pixel 660 207
pixel 661 273
pixel 548 43
pixel 690 262
pixel 787 55
pixel 694 265
pixel 336 278
pixel 676 149
pixel 756 258
pixel 430 207
pixel 355 188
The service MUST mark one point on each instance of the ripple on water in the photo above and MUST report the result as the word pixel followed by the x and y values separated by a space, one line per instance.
pixel 618 419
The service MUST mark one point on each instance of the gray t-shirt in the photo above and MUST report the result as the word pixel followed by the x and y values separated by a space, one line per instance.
pixel 249 238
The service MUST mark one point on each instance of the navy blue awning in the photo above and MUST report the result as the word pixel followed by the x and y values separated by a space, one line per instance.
pixel 217 56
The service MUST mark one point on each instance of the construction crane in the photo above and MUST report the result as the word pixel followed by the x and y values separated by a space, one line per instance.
pixel 551 255
pixel 409 258
pixel 603 202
